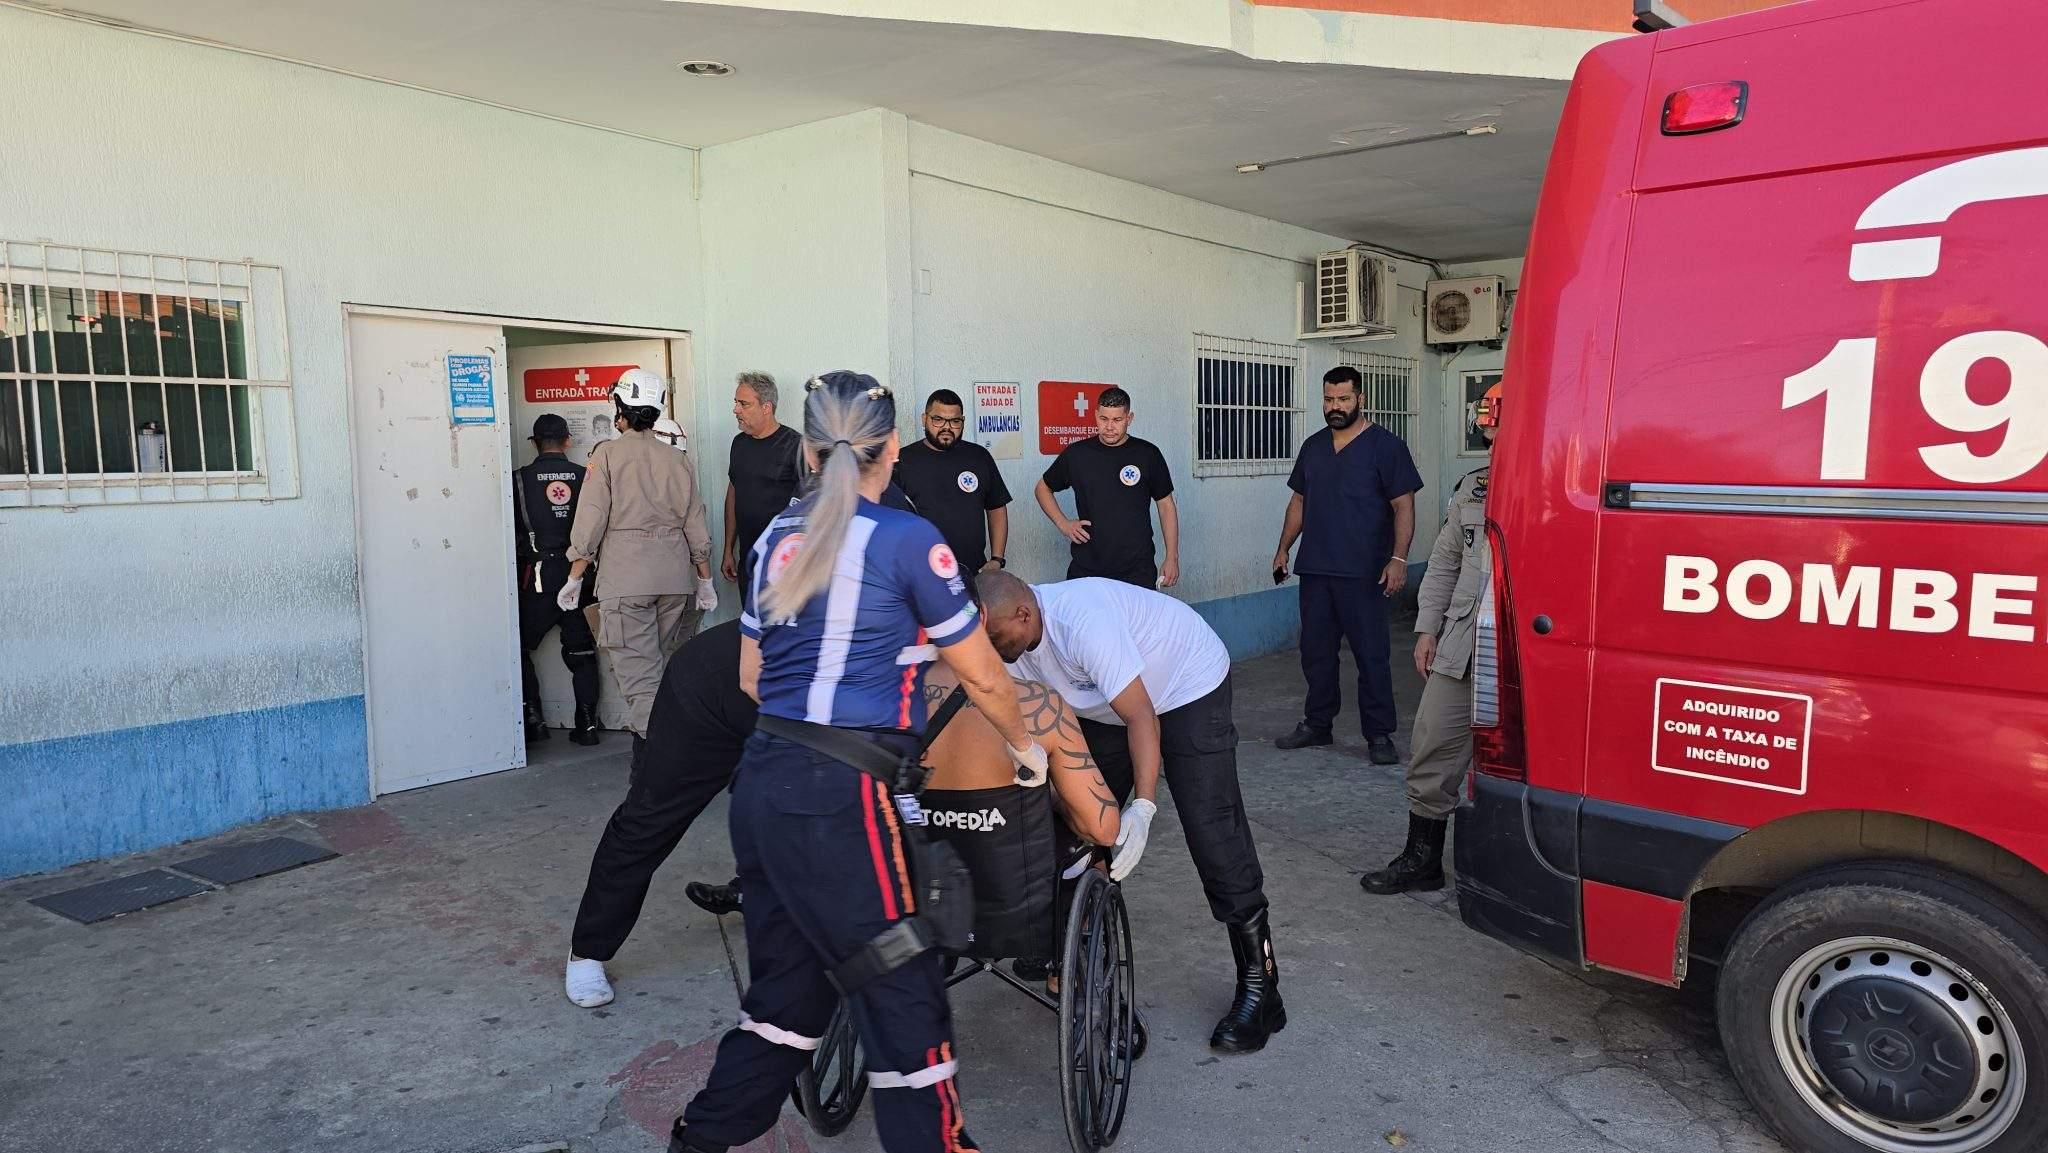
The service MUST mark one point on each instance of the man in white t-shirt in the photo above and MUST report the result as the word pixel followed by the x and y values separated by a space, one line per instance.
pixel 1151 682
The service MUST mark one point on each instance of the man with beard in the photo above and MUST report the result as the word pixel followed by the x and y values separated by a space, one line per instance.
pixel 955 485
pixel 1354 511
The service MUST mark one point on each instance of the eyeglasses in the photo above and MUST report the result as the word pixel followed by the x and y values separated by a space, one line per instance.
pixel 948 421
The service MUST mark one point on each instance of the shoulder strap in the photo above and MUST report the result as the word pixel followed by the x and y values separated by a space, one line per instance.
pixel 525 517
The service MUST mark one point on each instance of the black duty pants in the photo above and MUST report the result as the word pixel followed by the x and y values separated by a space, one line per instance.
pixel 689 757
pixel 538 613
pixel 1199 743
pixel 1145 578
pixel 1350 609
pixel 821 858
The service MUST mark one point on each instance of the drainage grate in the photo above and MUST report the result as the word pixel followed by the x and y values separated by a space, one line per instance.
pixel 127 894
pixel 238 863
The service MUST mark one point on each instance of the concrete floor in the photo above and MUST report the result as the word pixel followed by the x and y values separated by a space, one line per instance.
pixel 407 996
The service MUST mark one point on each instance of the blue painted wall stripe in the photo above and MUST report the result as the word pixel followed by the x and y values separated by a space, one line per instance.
pixel 1254 624
pixel 78 798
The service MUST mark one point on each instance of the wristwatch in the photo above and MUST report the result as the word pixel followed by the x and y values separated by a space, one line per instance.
pixel 1000 562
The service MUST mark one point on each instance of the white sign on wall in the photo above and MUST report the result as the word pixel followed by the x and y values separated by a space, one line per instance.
pixel 999 418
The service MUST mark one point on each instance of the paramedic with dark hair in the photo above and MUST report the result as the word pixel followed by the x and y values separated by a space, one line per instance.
pixel 843 598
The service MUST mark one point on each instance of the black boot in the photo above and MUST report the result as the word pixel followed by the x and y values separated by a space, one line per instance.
pixel 585 732
pixel 1420 867
pixel 536 728
pixel 1256 1012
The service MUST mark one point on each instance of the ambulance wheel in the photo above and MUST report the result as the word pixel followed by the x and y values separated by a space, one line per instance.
pixel 829 1089
pixel 1891 1008
pixel 1098 1013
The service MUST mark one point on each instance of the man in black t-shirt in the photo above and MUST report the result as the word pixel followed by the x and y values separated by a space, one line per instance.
pixel 1115 477
pixel 955 485
pixel 764 469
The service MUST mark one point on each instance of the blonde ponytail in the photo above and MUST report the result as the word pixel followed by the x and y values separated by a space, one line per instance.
pixel 847 420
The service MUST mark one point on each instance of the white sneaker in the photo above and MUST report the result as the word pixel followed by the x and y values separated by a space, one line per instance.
pixel 585 983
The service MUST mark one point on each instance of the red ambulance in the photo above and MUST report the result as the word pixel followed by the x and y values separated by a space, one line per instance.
pixel 1763 683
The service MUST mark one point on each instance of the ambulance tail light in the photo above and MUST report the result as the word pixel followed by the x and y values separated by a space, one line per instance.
pixel 1497 744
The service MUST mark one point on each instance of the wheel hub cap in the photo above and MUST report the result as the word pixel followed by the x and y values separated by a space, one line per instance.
pixel 1891 1049
pixel 1898 1047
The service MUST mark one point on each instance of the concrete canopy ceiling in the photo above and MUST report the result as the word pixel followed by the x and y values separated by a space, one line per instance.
pixel 1173 116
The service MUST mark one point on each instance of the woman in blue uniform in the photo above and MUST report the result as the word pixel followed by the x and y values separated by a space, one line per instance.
pixel 847 601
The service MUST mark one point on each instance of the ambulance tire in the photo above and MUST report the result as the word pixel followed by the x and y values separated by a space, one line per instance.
pixel 1894 1008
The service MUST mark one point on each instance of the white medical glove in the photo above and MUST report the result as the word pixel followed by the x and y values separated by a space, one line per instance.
pixel 707 594
pixel 1031 765
pixel 1130 838
pixel 570 596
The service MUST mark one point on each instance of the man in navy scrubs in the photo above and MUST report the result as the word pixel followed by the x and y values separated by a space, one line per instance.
pixel 1354 511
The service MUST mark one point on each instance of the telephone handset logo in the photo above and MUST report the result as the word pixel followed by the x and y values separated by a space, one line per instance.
pixel 1845 380
pixel 1931 198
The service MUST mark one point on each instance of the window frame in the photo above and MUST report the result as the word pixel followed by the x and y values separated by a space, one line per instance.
pixel 1384 374
pixel 1243 350
pixel 261 437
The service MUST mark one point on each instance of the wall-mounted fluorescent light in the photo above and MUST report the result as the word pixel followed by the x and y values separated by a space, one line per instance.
pixel 1475 130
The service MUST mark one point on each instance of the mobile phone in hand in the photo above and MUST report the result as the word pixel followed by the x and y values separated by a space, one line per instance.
pixel 1280 575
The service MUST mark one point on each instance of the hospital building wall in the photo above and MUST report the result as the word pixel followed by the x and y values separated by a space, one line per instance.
pixel 1031 270
pixel 170 671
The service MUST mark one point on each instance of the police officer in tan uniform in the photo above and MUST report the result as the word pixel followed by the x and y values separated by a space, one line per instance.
pixel 641 513
pixel 1440 752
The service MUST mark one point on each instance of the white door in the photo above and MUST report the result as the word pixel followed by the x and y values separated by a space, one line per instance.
pixel 574 382
pixel 433 449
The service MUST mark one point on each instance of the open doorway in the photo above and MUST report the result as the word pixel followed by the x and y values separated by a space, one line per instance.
pixel 441 407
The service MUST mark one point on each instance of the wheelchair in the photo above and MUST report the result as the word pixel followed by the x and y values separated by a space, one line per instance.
pixel 1038 894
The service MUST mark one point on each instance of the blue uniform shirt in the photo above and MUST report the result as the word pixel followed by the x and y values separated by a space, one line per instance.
pixel 852 658
pixel 1347 520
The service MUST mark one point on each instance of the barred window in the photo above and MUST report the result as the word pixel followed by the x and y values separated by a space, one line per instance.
pixel 1248 406
pixel 1388 389
pixel 137 378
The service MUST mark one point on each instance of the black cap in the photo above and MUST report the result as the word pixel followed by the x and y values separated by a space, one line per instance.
pixel 548 426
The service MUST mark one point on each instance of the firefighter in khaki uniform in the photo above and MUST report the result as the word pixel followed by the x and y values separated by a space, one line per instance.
pixel 1440 752
pixel 640 511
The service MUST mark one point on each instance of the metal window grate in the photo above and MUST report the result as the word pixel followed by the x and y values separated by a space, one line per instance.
pixel 1248 412
pixel 1389 389
pixel 141 378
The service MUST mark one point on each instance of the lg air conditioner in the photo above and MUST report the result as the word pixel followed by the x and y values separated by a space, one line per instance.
pixel 1467 310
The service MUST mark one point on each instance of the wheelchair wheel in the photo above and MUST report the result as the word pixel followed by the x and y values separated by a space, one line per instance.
pixel 1098 1008
pixel 829 1089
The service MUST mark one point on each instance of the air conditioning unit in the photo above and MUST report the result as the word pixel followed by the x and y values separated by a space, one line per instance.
pixel 1466 310
pixel 1354 295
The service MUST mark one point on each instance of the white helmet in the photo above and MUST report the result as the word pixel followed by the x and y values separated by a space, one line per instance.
pixel 672 432
pixel 641 388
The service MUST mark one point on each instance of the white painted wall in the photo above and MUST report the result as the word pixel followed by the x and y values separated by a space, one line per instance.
pixel 1042 271
pixel 362 192
pixel 805 270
